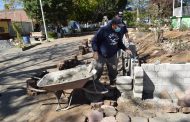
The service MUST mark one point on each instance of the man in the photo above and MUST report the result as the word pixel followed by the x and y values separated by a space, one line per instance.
pixel 105 45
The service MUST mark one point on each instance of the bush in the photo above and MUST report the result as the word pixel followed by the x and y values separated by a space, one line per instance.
pixel 52 35
pixel 183 27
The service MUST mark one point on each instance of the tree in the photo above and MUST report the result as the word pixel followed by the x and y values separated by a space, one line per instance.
pixel 164 7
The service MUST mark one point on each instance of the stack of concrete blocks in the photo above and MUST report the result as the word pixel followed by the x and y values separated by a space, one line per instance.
pixel 124 85
pixel 138 82
pixel 134 62
pixel 170 77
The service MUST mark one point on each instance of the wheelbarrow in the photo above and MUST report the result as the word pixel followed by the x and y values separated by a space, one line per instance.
pixel 81 77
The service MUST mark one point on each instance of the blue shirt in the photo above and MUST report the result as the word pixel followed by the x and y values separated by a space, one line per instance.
pixel 107 42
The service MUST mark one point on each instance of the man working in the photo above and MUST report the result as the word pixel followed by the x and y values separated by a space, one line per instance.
pixel 105 45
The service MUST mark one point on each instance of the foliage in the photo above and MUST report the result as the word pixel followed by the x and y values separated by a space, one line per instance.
pixel 130 17
pixel 183 27
pixel 59 11
pixel 52 35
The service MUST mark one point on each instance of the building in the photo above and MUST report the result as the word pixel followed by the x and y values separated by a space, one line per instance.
pixel 5 28
pixel 20 17
pixel 181 14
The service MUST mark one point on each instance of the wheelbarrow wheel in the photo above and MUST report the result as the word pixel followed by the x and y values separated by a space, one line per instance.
pixel 93 96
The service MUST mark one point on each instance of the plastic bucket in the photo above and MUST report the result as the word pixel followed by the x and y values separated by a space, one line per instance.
pixel 26 39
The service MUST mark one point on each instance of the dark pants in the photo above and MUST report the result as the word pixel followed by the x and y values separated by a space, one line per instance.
pixel 111 66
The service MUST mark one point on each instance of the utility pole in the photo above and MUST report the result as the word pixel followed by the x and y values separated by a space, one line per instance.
pixel 44 22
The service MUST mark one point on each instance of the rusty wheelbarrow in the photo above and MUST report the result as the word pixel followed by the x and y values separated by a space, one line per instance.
pixel 81 77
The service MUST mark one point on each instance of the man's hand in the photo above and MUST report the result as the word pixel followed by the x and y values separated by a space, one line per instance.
pixel 95 55
pixel 128 51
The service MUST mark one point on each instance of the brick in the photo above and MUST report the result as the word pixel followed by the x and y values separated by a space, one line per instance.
pixel 148 67
pixel 109 119
pixel 185 110
pixel 124 88
pixel 138 81
pixel 124 80
pixel 122 117
pixel 138 72
pixel 139 119
pixel 95 116
pixel 138 89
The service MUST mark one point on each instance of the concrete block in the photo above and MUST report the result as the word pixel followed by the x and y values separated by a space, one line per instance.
pixel 138 81
pixel 138 89
pixel 160 67
pixel 137 95
pixel 139 119
pixel 122 117
pixel 187 67
pixel 138 72
pixel 175 67
pixel 165 74
pixel 124 80
pixel 187 80
pixel 151 75
pixel 183 74
pixel 148 67
pixel 124 88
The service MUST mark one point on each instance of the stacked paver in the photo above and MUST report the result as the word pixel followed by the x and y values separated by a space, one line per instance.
pixel 124 84
pixel 138 82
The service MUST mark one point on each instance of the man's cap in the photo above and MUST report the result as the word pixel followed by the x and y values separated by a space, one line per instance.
pixel 117 21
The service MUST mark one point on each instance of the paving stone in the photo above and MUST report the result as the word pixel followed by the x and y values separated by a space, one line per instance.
pixel 185 110
pixel 164 94
pixel 138 89
pixel 170 109
pixel 138 81
pixel 157 119
pixel 109 119
pixel 95 116
pixel 138 72
pixel 107 102
pixel 122 117
pixel 124 80
pixel 96 105
pixel 109 110
pixel 113 103
pixel 139 119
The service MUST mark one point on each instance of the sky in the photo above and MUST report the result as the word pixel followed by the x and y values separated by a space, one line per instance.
pixel 1 5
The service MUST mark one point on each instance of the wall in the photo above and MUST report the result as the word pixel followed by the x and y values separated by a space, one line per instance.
pixel 171 77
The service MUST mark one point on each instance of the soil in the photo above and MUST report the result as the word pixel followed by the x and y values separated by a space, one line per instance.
pixel 165 52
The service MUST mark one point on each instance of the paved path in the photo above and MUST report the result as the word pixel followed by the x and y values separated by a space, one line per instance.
pixel 16 66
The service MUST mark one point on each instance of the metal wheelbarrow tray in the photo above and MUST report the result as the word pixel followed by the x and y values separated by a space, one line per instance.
pixel 58 81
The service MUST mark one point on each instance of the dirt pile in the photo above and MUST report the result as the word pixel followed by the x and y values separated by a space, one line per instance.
pixel 175 47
